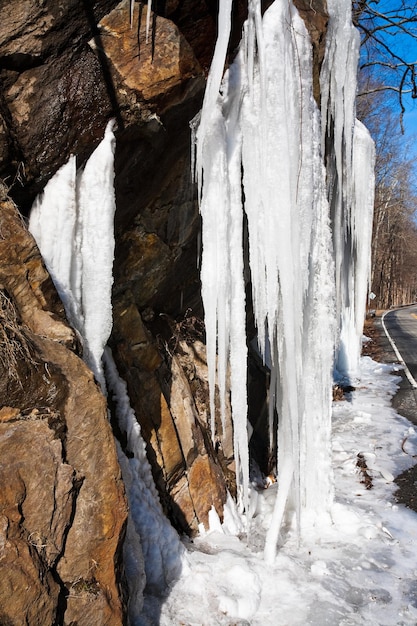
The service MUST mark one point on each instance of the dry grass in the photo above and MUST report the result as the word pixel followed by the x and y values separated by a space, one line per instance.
pixel 15 344
pixel 372 347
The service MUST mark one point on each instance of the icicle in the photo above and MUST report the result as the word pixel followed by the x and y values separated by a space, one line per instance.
pixel 362 217
pixel 148 19
pixel 280 230
pixel 235 289
pixel 357 256
pixel 223 291
pixel 53 212
pixel 208 143
pixel 96 193
pixel 284 485
pixel 132 9
pixel 338 86
pixel 214 78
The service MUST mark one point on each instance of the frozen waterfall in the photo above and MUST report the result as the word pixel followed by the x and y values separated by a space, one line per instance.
pixel 261 130
pixel 300 180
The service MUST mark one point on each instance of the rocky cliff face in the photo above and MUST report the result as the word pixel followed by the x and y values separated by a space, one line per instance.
pixel 62 504
pixel 65 70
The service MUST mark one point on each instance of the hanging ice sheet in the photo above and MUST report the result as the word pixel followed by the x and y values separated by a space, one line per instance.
pixel 72 222
pixel 265 123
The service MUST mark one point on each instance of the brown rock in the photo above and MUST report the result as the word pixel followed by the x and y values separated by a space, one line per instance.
pixel 182 510
pixel 190 476
pixel 4 141
pixel 207 488
pixel 54 98
pixel 91 560
pixel 33 30
pixel 36 499
pixel 45 519
pixel 61 97
pixel 145 259
pixel 8 413
pixel 50 74
pixel 24 277
pixel 140 349
pixel 198 23
pixel 25 24
pixel 157 65
pixel 53 77
pixel 28 593
pixel 62 499
pixel 141 360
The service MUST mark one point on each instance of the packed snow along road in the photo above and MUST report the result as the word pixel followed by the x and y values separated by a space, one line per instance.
pixel 358 569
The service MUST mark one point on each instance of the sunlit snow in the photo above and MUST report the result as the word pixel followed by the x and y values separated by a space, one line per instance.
pixel 360 570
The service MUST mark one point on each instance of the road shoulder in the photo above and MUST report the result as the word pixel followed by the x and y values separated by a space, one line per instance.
pixel 404 402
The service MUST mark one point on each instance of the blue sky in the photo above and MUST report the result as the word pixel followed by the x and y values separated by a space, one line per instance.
pixel 410 123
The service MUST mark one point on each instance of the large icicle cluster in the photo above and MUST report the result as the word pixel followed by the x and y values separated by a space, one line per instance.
pixel 260 129
pixel 72 222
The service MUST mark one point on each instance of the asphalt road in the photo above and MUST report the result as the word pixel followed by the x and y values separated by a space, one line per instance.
pixel 401 326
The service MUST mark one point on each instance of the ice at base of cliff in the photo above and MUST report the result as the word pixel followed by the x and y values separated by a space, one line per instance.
pixel 151 534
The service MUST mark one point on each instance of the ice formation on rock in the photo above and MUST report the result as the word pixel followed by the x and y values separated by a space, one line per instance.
pixel 72 222
pixel 261 130
pixel 152 532
pixel 302 181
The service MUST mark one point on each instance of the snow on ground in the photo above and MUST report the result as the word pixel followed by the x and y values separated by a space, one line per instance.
pixel 361 569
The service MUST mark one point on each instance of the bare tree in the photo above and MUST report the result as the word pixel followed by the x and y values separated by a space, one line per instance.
pixel 394 241
pixel 387 78
pixel 388 47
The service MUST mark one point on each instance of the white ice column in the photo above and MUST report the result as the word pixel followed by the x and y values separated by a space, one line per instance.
pixel 72 222
pixel 350 162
